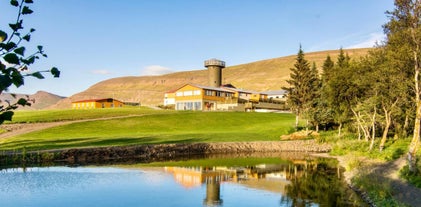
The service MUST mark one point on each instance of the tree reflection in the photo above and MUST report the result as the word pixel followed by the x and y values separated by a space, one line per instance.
pixel 316 183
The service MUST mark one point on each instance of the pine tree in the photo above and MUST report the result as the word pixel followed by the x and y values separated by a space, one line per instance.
pixel 300 90
pixel 327 68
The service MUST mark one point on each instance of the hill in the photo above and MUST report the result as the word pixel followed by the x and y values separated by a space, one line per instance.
pixel 39 100
pixel 262 75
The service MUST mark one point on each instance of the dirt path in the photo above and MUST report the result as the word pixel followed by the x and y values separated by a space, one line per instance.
pixel 18 129
pixel 402 191
pixel 387 173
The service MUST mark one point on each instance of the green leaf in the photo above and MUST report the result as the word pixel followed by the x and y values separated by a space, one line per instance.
pixel 11 58
pixel 29 1
pixel 8 46
pixel 32 30
pixel 22 102
pixel 14 2
pixel 3 36
pixel 37 75
pixel 26 10
pixel 55 72
pixel 27 37
pixel 6 116
pixel 5 82
pixel 17 26
pixel 20 51
pixel 39 48
pixel 29 61
pixel 2 66
pixel 17 79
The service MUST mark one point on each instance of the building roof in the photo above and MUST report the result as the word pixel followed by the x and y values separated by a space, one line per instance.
pixel 95 100
pixel 276 92
pixel 241 90
pixel 207 88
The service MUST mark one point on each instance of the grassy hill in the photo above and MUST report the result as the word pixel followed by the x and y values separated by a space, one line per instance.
pixel 262 75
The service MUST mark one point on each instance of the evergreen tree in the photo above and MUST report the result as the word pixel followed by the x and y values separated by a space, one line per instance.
pixel 327 68
pixel 313 114
pixel 300 90
pixel 340 90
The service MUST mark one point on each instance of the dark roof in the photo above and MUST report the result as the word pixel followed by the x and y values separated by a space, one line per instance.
pixel 276 92
pixel 95 100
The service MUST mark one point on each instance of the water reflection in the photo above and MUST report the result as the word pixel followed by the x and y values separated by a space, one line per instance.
pixel 298 183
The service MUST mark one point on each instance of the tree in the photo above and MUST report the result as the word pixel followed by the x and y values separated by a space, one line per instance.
pixel 300 91
pixel 404 33
pixel 315 116
pixel 14 61
pixel 339 89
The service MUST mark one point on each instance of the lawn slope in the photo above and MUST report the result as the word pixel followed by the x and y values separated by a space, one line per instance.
pixel 158 128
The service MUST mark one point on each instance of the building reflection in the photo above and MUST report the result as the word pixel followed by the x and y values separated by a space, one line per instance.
pixel 269 177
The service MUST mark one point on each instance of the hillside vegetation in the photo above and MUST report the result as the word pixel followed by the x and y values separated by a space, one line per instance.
pixel 149 90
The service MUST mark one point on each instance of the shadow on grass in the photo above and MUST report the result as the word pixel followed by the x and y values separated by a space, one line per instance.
pixel 31 145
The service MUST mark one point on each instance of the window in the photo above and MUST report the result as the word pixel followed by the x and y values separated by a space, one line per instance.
pixel 188 93
pixel 197 105
pixel 196 92
pixel 179 94
pixel 208 92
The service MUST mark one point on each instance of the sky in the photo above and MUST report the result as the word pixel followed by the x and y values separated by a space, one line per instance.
pixel 95 40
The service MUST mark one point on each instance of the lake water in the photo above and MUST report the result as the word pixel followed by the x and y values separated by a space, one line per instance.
pixel 292 183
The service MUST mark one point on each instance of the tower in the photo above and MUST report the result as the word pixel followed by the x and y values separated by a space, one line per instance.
pixel 215 71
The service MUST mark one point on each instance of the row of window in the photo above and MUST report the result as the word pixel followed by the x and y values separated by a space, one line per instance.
pixel 218 93
pixel 189 106
pixel 188 93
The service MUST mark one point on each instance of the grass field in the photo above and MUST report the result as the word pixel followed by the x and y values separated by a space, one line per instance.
pixel 37 116
pixel 155 127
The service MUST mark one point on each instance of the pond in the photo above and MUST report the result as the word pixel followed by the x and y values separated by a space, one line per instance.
pixel 234 181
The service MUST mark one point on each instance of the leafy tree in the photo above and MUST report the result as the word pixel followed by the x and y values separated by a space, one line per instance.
pixel 404 35
pixel 14 58
pixel 301 92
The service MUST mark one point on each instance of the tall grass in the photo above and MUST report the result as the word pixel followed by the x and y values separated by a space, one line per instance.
pixel 158 128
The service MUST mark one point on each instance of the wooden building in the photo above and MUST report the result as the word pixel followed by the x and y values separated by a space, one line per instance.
pixel 97 103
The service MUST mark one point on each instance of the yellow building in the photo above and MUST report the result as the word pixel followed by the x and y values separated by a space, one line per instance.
pixel 196 97
pixel 169 98
pixel 97 103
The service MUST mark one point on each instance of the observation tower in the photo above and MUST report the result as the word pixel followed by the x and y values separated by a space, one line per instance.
pixel 215 72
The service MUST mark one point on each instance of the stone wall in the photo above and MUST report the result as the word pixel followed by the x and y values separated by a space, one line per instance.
pixel 149 153
pixel 159 152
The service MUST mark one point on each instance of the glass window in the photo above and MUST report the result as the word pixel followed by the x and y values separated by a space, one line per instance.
pixel 188 93
pixel 179 94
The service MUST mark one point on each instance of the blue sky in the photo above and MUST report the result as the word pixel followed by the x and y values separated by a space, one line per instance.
pixel 94 40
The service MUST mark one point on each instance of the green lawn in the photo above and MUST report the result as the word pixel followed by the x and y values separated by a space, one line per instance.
pixel 158 128
pixel 37 116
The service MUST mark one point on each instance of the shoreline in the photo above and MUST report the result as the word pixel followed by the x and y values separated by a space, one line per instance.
pixel 151 152
pixel 180 151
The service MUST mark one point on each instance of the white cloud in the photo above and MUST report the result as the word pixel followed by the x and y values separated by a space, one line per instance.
pixel 368 41
pixel 101 72
pixel 155 70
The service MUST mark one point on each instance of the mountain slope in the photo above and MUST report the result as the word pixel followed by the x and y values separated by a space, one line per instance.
pixel 39 100
pixel 262 75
